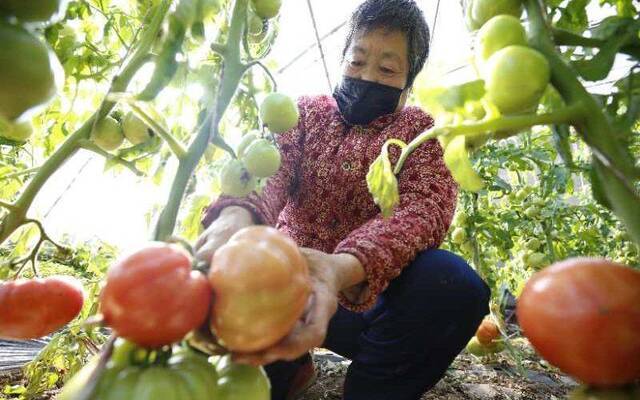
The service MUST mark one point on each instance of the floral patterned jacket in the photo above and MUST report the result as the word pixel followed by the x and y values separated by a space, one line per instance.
pixel 319 196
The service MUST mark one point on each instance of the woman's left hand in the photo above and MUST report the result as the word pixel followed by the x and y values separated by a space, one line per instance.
pixel 311 329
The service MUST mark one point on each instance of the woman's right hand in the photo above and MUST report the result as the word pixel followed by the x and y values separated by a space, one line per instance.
pixel 230 221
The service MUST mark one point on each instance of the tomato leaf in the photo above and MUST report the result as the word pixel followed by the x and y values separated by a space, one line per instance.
pixel 456 156
pixel 451 99
pixel 383 185
pixel 598 67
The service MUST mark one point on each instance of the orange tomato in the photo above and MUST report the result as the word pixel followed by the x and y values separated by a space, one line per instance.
pixel 583 315
pixel 261 284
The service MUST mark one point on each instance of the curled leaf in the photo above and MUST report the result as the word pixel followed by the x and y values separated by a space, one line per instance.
pixel 382 184
pixel 456 156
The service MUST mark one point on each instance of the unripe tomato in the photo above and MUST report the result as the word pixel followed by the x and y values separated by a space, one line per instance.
pixel 242 382
pixel 246 140
pixel 108 134
pixel 33 308
pixel 499 32
pixel 279 112
pixel 487 332
pixel 46 11
pixel 122 354
pixel 459 235
pixel 535 260
pixel 255 25
pixel 153 297
pixel 516 78
pixel 262 158
pixel 134 129
pixel 532 212
pixel 483 10
pixel 467 247
pixel 533 244
pixel 261 283
pixel 477 349
pixel 266 9
pixel 30 73
pixel 18 132
pixel 522 194
pixel 583 316
pixel 235 180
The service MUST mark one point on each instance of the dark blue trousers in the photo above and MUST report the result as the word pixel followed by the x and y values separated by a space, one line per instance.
pixel 403 346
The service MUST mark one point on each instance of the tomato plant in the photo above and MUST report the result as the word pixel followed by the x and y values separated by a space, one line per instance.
pixel 32 308
pixel 259 294
pixel 583 315
pixel 153 297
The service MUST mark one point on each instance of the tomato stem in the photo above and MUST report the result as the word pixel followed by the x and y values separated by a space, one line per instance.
pixel 175 145
pixel 89 145
pixel 232 71
pixel 513 123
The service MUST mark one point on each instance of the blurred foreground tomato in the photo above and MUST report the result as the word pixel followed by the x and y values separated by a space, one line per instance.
pixel 583 315
pixel 32 308
pixel 261 284
pixel 153 297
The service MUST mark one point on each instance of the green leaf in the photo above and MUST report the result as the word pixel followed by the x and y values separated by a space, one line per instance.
pixel 383 185
pixel 452 98
pixel 574 16
pixel 456 156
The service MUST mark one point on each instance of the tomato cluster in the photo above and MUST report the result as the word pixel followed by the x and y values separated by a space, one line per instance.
pixel 109 134
pixel 258 157
pixel 135 373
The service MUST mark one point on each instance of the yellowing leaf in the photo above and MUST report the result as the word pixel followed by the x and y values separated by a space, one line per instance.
pixel 457 159
pixel 383 184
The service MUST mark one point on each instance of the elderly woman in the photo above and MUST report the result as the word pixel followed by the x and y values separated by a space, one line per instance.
pixel 383 296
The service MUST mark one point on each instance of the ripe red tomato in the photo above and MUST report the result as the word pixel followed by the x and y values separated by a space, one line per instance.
pixel 487 332
pixel 583 315
pixel 261 283
pixel 32 308
pixel 153 297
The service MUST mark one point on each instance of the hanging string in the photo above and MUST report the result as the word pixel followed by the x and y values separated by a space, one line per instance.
pixel 324 61
pixel 433 30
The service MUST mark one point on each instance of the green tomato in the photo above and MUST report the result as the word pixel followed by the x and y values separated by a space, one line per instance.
pixel 122 354
pixel 262 158
pixel 235 180
pixel 108 134
pixel 279 112
pixel 123 387
pixel 477 349
pixel 535 260
pixel 17 132
pixel 242 382
pixel 459 236
pixel 47 11
pixel 246 140
pixel 30 73
pixel 161 383
pixel 516 78
pixel 483 10
pixel 498 33
pixel 522 194
pixel 266 9
pixel 199 375
pixel 533 244
pixel 134 129
pixel 532 212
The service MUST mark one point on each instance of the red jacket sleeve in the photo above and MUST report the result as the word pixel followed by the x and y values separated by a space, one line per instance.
pixel 421 220
pixel 266 206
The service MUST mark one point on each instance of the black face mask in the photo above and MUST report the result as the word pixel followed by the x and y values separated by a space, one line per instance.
pixel 361 102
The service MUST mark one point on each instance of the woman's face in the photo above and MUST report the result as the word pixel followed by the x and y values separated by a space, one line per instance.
pixel 379 56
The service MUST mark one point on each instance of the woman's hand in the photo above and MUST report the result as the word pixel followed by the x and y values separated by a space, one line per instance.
pixel 328 274
pixel 230 221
